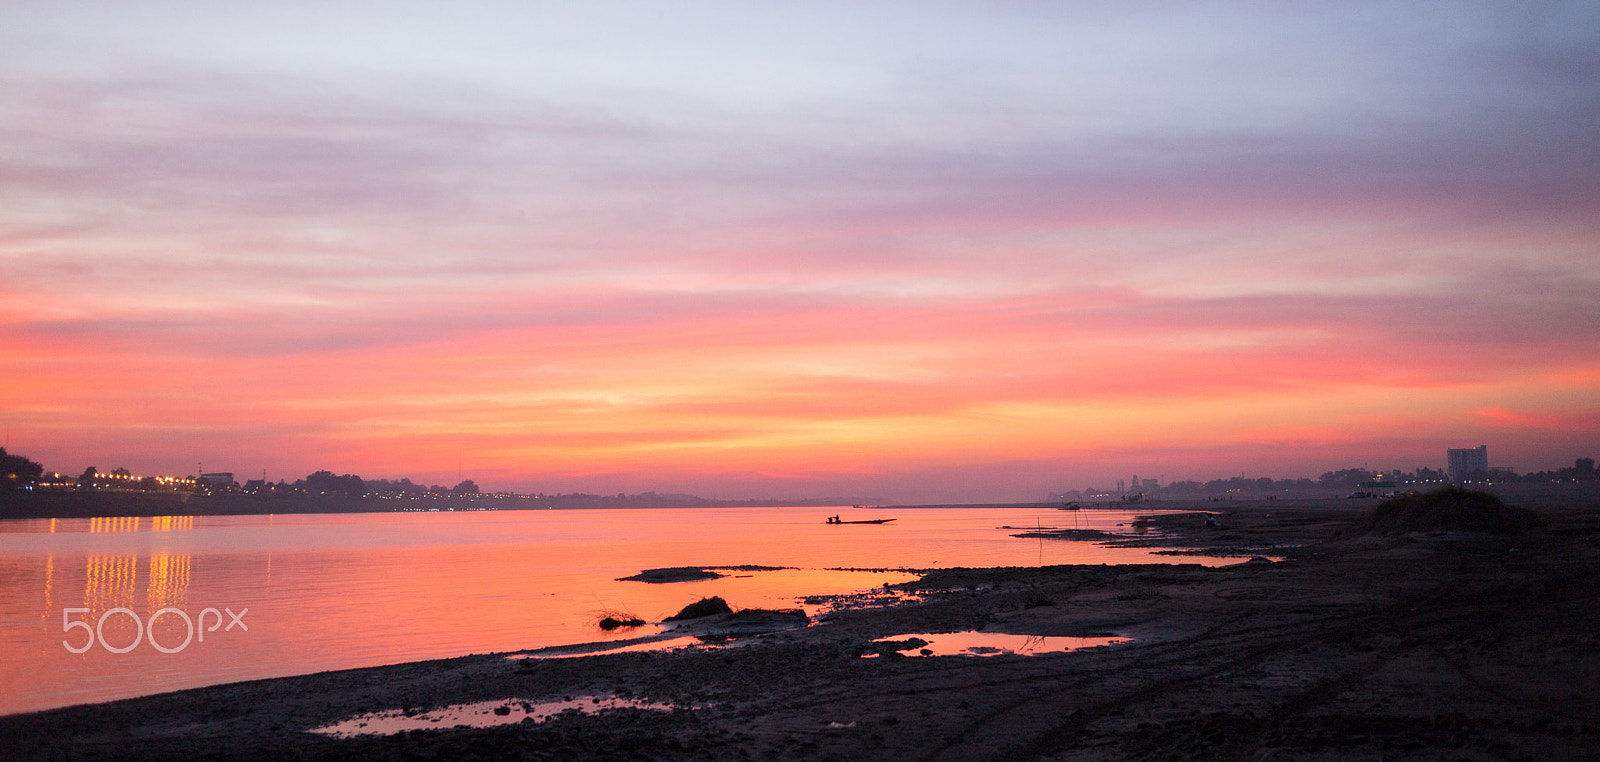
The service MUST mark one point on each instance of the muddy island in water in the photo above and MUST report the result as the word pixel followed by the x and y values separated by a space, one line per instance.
pixel 1338 639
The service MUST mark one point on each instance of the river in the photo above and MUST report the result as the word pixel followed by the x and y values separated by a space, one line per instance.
pixel 247 597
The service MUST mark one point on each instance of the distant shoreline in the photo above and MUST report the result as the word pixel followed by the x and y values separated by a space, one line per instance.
pixel 106 504
pixel 127 504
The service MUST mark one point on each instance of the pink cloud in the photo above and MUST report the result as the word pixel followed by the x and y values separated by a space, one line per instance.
pixel 1496 417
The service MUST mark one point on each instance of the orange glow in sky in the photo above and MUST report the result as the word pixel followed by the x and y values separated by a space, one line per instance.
pixel 999 252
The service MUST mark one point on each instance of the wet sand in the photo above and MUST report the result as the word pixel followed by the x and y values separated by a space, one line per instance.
pixel 1438 645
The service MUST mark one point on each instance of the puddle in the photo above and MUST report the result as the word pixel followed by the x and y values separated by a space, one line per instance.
pixel 974 643
pixel 484 714
pixel 670 644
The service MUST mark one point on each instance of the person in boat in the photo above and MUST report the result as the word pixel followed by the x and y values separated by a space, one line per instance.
pixel 833 519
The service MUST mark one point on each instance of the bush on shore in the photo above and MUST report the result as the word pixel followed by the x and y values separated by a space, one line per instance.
pixel 613 619
pixel 1449 508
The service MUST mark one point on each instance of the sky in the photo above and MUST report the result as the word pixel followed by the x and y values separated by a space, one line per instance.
pixel 891 251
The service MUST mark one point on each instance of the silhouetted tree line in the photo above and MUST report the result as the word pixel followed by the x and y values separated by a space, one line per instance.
pixel 325 483
pixel 16 470
pixel 350 485
pixel 404 487
pixel 1583 470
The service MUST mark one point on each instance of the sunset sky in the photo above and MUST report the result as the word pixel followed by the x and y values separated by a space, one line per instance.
pixel 897 251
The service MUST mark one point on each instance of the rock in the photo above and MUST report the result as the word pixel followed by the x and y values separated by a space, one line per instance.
pixel 702 608
pixel 671 574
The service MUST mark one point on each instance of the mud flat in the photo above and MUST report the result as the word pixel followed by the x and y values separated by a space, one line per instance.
pixel 1428 645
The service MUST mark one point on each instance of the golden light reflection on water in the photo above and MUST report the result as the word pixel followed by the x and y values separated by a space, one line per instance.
pixel 49 578
pixel 113 580
pixel 169 581
pixel 115 524
pixel 49 584
pixel 135 524
pixel 110 582
pixel 171 523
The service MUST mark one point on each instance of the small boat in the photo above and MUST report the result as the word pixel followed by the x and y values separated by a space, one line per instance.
pixel 836 520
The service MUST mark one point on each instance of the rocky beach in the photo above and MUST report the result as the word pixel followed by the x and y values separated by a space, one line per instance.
pixel 1329 642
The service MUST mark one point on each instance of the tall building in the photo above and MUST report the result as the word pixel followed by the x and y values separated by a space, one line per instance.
pixel 1464 461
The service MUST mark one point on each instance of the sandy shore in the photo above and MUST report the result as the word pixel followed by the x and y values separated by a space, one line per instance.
pixel 1441 645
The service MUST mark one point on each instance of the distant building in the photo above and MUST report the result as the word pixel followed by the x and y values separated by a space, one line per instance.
pixel 1379 481
pixel 53 480
pixel 1465 461
pixel 221 479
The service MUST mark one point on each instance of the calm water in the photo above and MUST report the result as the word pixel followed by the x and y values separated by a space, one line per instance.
pixel 335 591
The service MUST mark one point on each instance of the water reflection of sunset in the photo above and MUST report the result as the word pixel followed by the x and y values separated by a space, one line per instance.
pixel 341 590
